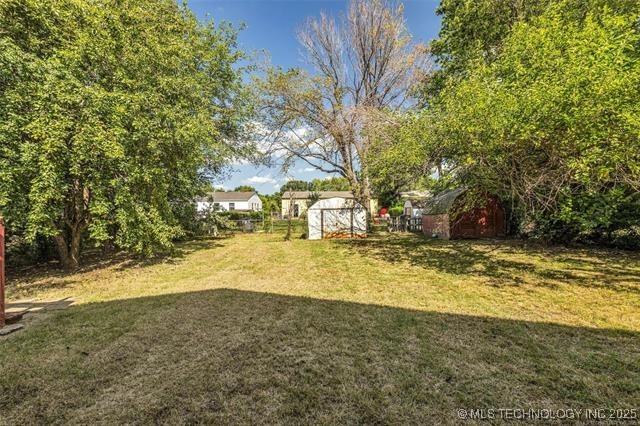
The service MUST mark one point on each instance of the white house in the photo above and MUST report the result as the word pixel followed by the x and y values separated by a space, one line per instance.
pixel 231 201
pixel 337 218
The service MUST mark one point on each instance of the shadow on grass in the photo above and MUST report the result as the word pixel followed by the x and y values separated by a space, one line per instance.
pixel 228 356
pixel 52 276
pixel 486 258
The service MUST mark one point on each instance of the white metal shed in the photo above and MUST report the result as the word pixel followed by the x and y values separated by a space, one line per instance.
pixel 337 218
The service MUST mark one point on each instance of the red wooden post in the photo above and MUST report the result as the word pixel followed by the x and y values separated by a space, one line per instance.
pixel 1 272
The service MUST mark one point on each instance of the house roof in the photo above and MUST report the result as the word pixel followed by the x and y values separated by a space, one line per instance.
pixel 442 203
pixel 415 195
pixel 416 204
pixel 304 195
pixel 228 196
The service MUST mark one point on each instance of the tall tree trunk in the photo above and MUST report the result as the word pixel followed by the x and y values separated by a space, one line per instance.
pixel 361 188
pixel 69 253
pixel 76 239
pixel 75 221
pixel 365 198
pixel 287 237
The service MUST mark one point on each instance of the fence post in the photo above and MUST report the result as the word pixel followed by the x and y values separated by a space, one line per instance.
pixel 2 315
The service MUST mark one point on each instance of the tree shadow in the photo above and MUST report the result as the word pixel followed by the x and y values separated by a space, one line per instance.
pixel 616 270
pixel 229 356
pixel 50 275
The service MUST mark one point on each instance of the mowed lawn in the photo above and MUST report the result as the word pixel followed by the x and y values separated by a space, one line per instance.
pixel 391 329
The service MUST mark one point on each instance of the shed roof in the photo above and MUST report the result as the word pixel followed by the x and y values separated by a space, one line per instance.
pixel 304 195
pixel 442 203
pixel 415 195
pixel 228 196
pixel 336 203
pixel 416 204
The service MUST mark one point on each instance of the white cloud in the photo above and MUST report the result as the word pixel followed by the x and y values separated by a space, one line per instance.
pixel 219 186
pixel 266 142
pixel 260 180
pixel 296 134
pixel 306 170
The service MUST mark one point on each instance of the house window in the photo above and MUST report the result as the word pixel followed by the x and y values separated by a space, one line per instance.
pixel 296 210
pixel 232 206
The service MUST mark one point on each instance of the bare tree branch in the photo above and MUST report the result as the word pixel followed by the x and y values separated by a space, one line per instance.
pixel 364 62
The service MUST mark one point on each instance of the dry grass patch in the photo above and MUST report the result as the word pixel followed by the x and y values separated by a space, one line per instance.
pixel 252 329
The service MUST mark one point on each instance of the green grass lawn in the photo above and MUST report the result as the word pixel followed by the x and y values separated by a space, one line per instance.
pixel 391 329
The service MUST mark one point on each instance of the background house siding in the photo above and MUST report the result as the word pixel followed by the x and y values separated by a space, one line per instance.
pixel 303 205
pixel 254 203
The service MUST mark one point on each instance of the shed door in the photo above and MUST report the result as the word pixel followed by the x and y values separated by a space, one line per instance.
pixel 486 223
pixel 478 223
pixel 337 223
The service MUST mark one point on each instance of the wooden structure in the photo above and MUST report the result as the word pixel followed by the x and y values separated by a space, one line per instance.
pixel 446 216
pixel 5 318
pixel 414 202
pixel 2 280
pixel 405 224
pixel 337 218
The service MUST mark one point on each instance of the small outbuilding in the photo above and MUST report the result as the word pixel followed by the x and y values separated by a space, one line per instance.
pixel 337 218
pixel 414 202
pixel 446 216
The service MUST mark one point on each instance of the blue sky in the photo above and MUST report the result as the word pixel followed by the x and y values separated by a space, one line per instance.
pixel 271 27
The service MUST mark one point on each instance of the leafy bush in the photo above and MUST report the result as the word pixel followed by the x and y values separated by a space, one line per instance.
pixel 237 215
pixel 628 239
pixel 106 126
pixel 396 211
pixel 550 124
pixel 211 222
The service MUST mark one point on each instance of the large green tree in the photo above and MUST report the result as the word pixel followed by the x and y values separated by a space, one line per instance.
pixel 295 185
pixel 401 160
pixel 553 123
pixel 334 183
pixel 473 29
pixel 244 188
pixel 112 116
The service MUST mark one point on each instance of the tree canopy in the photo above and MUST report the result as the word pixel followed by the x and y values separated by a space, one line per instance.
pixel 553 122
pixel 245 188
pixel 476 29
pixel 549 121
pixel 109 126
pixel 334 183
pixel 362 64
pixel 295 185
